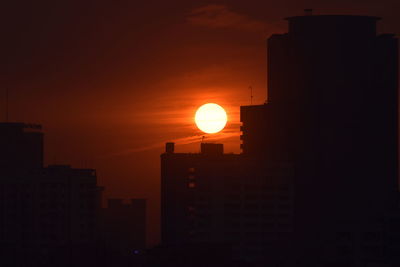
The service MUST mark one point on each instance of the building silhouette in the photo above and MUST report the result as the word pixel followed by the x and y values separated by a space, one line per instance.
pixel 123 232
pixel 328 135
pixel 228 201
pixel 332 110
pixel 21 145
pixel 48 215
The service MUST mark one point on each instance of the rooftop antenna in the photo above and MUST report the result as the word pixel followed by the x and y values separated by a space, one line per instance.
pixel 6 104
pixel 251 95
pixel 202 139
pixel 308 12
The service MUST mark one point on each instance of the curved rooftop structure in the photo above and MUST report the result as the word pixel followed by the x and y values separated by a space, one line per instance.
pixel 327 24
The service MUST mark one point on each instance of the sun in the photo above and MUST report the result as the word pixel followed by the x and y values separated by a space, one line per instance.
pixel 210 118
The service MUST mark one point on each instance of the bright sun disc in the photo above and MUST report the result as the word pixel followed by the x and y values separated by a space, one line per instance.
pixel 210 118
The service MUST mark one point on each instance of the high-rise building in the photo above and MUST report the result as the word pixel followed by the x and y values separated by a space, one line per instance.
pixel 218 199
pixel 332 111
pixel 21 145
pixel 48 215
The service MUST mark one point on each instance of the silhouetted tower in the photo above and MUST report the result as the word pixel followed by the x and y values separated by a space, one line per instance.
pixel 332 110
pixel 21 146
pixel 47 211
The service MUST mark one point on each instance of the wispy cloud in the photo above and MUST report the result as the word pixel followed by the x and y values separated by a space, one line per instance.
pixel 220 16
pixel 179 141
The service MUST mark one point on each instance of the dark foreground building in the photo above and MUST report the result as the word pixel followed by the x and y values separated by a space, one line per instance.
pixel 48 215
pixel 123 232
pixel 332 120
pixel 21 146
pixel 332 110
pixel 227 202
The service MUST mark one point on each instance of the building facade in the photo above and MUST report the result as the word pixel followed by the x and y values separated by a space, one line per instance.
pixel 211 198
pixel 332 111
pixel 21 145
pixel 123 231
pixel 48 215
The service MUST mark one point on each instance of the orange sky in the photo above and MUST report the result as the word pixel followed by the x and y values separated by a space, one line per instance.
pixel 112 84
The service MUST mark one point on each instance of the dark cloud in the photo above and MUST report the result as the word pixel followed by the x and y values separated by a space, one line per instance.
pixel 220 16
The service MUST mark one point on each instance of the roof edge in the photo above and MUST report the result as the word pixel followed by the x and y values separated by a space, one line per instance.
pixel 343 16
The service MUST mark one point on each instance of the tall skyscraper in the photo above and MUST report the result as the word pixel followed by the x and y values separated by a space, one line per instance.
pixel 21 145
pixel 48 215
pixel 332 110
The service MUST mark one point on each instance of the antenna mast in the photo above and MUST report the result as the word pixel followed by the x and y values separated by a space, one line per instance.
pixel 7 105
pixel 251 95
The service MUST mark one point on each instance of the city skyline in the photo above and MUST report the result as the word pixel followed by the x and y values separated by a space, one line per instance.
pixel 316 183
pixel 77 76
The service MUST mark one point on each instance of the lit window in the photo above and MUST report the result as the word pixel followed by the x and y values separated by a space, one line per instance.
pixel 191 184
